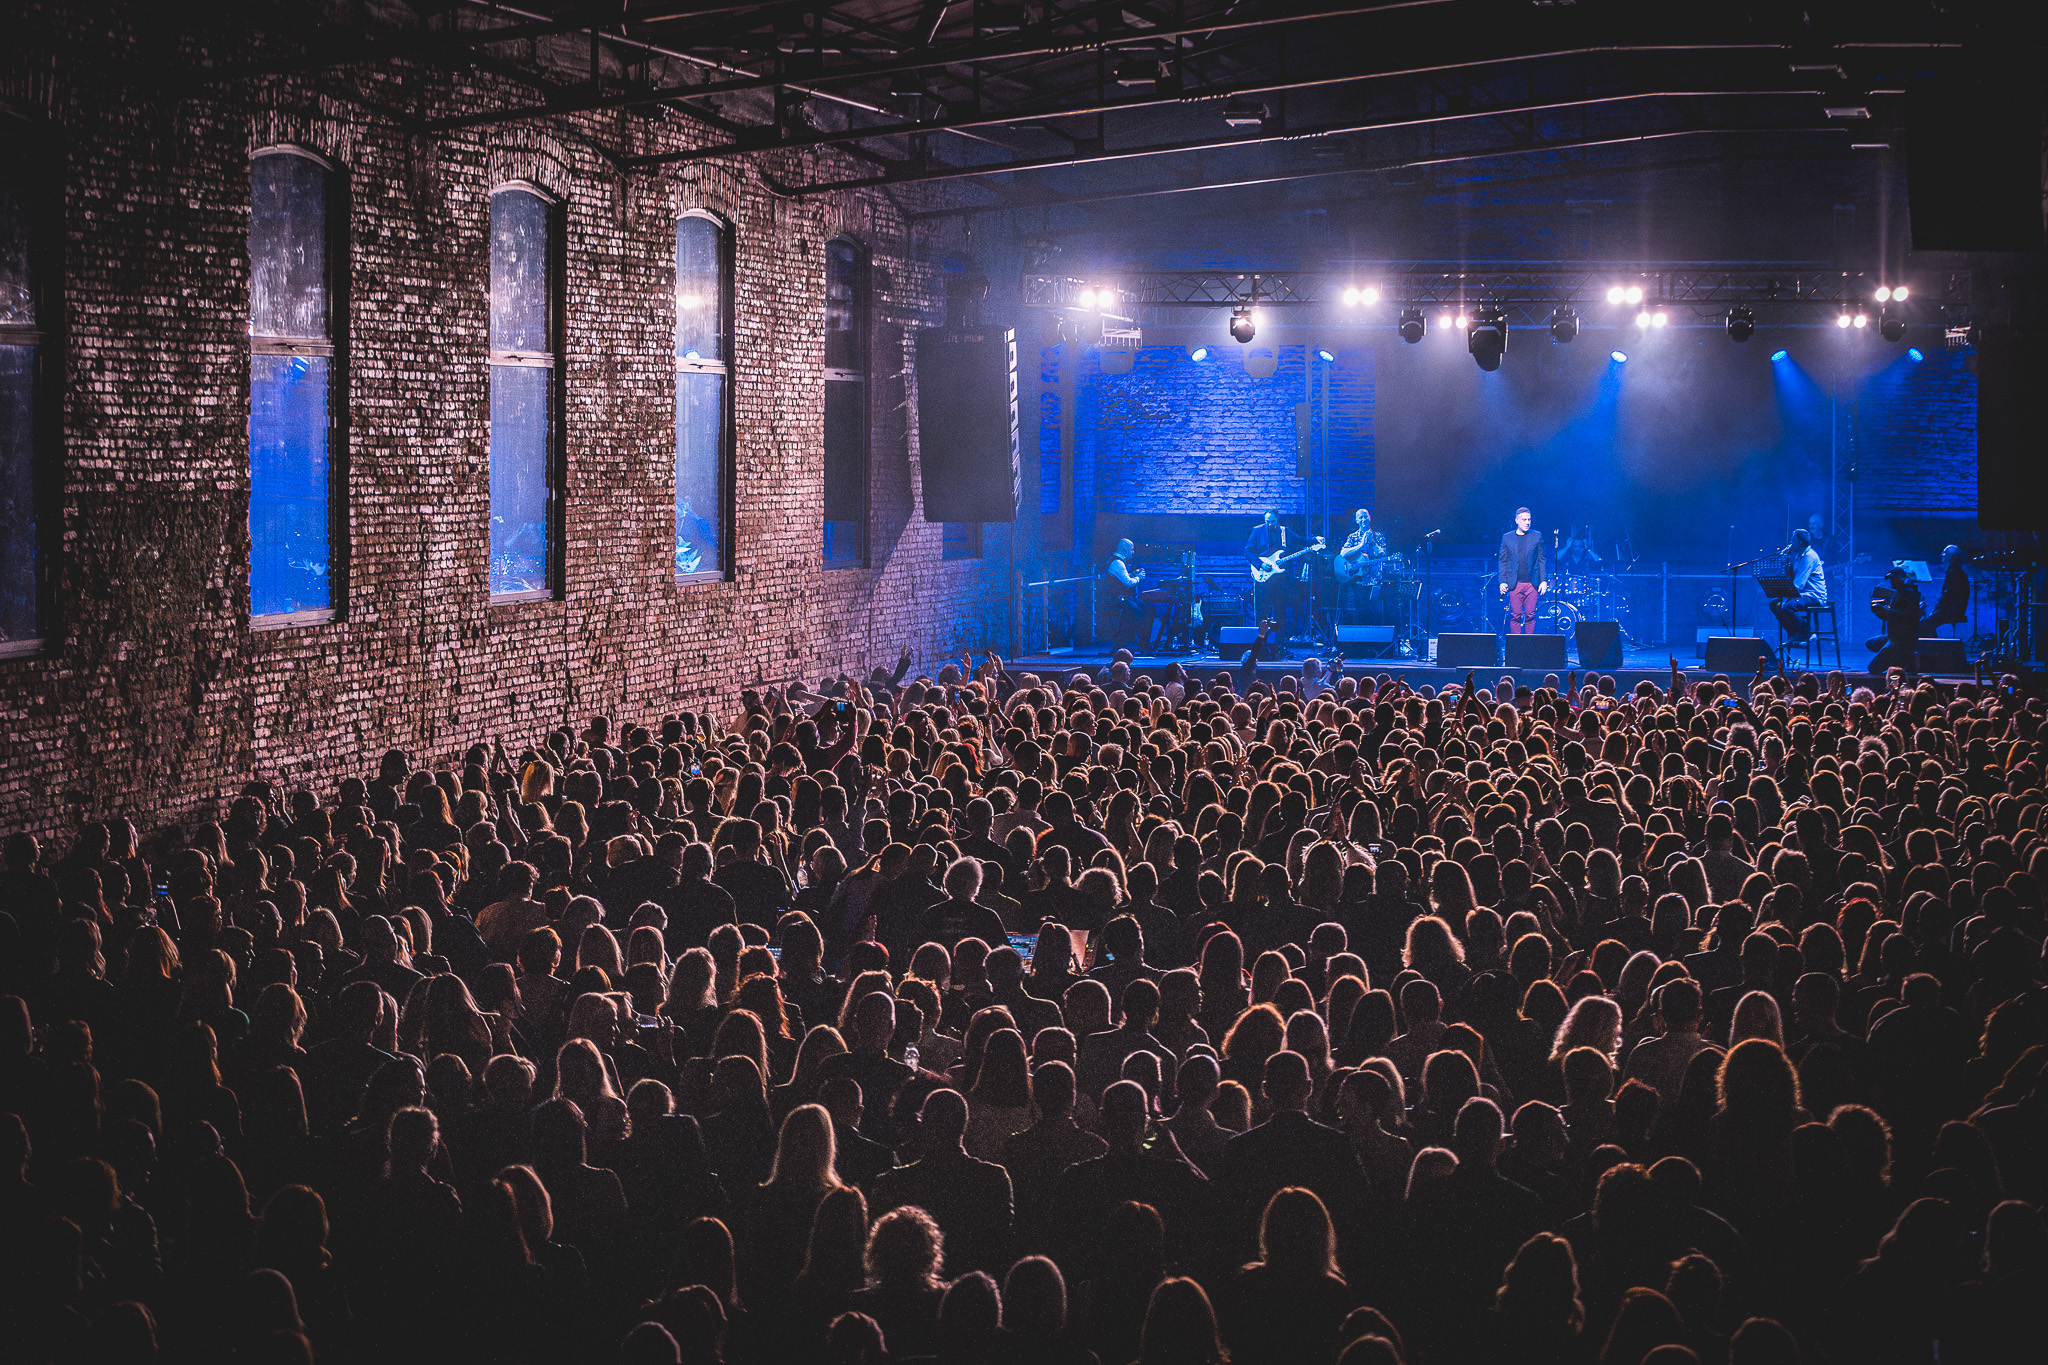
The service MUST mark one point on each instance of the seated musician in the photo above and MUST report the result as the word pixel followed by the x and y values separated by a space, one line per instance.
pixel 1952 608
pixel 1131 620
pixel 1899 609
pixel 1361 548
pixel 1578 554
pixel 1809 588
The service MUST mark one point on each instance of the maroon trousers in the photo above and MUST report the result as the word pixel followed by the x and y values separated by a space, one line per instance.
pixel 1522 609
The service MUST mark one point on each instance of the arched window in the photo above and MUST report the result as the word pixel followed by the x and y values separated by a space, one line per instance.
pixel 846 404
pixel 293 388
pixel 703 395
pixel 526 496
pixel 23 357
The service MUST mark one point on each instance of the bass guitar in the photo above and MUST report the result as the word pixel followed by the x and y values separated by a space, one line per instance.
pixel 1266 566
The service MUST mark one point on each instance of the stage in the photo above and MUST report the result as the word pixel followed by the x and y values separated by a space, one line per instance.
pixel 1637 664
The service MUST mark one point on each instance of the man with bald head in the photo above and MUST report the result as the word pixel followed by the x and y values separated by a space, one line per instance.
pixel 969 1198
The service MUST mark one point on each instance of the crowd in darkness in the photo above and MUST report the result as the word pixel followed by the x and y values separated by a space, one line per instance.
pixel 990 1019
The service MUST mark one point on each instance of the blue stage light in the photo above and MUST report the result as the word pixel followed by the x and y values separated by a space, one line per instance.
pixel 1915 353
pixel 1618 357
pixel 1201 353
pixel 1326 357
pixel 1779 355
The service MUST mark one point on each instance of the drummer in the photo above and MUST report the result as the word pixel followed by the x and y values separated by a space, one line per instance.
pixel 1578 554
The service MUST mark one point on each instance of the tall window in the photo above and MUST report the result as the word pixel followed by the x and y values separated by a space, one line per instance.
pixel 846 405
pixel 960 540
pixel 703 304
pixel 21 357
pixel 292 371
pixel 525 403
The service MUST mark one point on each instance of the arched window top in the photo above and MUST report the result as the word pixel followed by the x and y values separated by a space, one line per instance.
pixel 846 305
pixel 289 258
pixel 521 257
pixel 701 302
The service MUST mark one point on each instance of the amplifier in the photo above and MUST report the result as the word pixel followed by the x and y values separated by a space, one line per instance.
pixel 1536 651
pixel 1939 654
pixel 1468 650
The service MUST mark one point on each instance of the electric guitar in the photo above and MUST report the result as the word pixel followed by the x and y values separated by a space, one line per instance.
pixel 1266 566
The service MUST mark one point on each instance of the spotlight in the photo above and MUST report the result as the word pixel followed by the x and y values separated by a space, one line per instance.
pixel 1643 318
pixel 1618 357
pixel 1891 326
pixel 1843 319
pixel 1412 325
pixel 1614 295
pixel 1444 321
pixel 1368 295
pixel 1351 298
pixel 1326 357
pixel 1914 354
pixel 1634 294
pixel 1898 293
pixel 1884 294
pixel 1243 325
pixel 1199 354
pixel 1779 355
pixel 1564 326
pixel 1087 299
pixel 1862 319
pixel 1741 323
pixel 1461 322
pixel 1488 338
pixel 1659 319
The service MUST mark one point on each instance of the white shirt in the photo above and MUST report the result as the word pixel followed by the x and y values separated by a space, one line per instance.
pixel 1809 579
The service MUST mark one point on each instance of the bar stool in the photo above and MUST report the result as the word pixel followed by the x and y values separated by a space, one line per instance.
pixel 1818 634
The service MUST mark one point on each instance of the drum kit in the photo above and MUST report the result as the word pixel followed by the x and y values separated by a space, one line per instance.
pixel 1583 597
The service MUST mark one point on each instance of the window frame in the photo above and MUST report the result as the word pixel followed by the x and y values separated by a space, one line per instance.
pixel 553 360
pixel 863 331
pixel 972 536
pixel 334 347
pixel 728 434
pixel 41 162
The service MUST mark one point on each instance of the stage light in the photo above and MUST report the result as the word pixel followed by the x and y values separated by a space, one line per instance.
pixel 1862 319
pixel 1891 326
pixel 1199 354
pixel 1564 326
pixel 1244 325
pixel 1412 325
pixel 1914 354
pixel 1350 297
pixel 1488 338
pixel 1368 295
pixel 1659 319
pixel 1618 357
pixel 689 300
pixel 1780 355
pixel 1634 294
pixel 1741 323
pixel 1326 357
pixel 1643 318
pixel 1898 293
pixel 1843 319
pixel 1614 295
pixel 1461 322
pixel 1087 299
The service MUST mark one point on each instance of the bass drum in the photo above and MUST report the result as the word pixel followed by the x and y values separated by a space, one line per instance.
pixel 1563 617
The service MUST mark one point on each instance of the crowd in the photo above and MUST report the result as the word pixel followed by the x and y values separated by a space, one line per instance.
pixel 986 1018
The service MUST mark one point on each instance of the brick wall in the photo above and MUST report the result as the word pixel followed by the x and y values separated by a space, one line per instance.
pixel 154 698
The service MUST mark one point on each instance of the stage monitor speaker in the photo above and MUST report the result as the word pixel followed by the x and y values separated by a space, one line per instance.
pixel 1973 160
pixel 1599 644
pixel 1735 654
pixel 1365 635
pixel 1536 651
pixel 1939 654
pixel 1239 636
pixel 1467 651
pixel 967 423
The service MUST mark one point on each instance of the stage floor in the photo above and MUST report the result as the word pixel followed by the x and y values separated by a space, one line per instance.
pixel 1637 664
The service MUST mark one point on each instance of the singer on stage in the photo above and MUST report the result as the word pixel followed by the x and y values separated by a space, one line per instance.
pixel 1522 579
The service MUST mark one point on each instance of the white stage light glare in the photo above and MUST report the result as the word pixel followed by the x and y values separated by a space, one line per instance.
pixel 1368 295
pixel 1898 293
pixel 1842 319
pixel 1660 319
pixel 1635 293
pixel 1884 294
pixel 1462 322
pixel 1643 318
pixel 1863 319
pixel 1350 297
pixel 1614 295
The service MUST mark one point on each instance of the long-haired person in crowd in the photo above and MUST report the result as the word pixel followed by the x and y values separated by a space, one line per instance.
pixel 987 1017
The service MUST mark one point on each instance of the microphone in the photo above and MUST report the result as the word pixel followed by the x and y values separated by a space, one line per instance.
pixel 1432 534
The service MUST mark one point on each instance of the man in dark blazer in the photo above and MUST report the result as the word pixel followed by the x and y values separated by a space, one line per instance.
pixel 1289 1149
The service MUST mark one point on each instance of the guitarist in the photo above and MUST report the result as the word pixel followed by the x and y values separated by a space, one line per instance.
pixel 1360 549
pixel 1275 599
